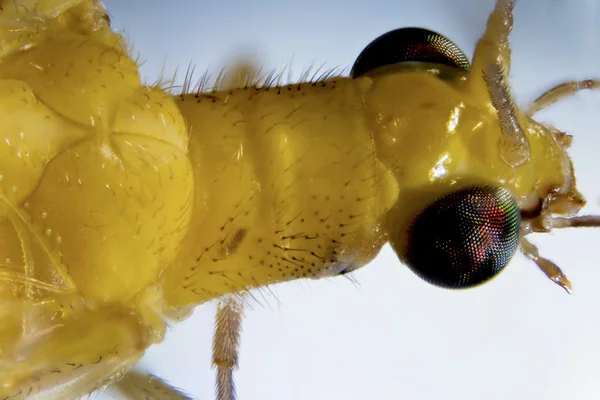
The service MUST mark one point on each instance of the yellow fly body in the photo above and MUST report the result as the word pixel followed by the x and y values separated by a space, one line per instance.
pixel 124 206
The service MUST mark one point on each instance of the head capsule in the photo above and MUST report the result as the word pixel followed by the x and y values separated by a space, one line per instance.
pixel 473 171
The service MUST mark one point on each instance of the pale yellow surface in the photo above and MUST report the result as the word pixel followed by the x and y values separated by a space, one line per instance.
pixel 120 205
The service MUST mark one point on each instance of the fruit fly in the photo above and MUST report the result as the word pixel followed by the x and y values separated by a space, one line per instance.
pixel 125 206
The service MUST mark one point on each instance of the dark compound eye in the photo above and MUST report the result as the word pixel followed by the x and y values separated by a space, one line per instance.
pixel 409 44
pixel 465 238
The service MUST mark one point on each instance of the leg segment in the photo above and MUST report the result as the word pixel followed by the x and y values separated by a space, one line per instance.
pixel 547 224
pixel 560 92
pixel 139 386
pixel 551 270
pixel 226 341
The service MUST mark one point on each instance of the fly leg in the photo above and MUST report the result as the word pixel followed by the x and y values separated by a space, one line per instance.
pixel 545 224
pixel 560 92
pixel 551 270
pixel 226 341
pixel 140 386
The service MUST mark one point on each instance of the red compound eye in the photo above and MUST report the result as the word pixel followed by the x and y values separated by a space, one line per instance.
pixel 409 44
pixel 465 238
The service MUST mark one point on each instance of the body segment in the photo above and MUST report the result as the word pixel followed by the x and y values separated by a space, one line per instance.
pixel 274 163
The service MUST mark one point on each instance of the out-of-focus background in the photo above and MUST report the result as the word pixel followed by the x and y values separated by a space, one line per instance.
pixel 393 336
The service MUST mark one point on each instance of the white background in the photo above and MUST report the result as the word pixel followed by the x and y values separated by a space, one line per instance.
pixel 395 337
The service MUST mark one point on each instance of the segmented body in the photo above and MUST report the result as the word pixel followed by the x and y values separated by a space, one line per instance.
pixel 134 206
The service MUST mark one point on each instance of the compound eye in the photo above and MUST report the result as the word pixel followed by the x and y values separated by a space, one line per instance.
pixel 465 238
pixel 409 44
